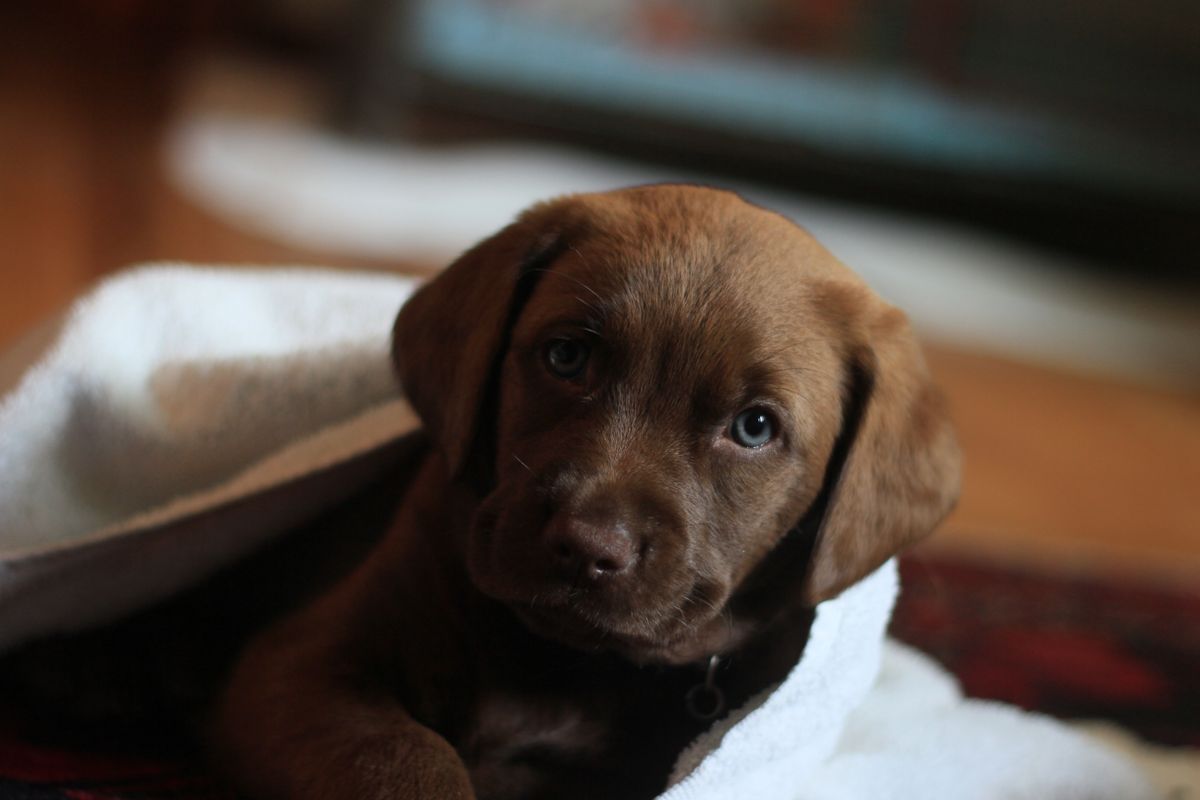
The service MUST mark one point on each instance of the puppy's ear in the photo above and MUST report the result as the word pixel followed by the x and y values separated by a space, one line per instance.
pixel 895 469
pixel 449 338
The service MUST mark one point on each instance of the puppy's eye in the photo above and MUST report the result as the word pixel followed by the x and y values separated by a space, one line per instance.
pixel 566 358
pixel 754 427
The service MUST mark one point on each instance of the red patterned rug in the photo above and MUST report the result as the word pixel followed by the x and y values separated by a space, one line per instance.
pixel 1073 648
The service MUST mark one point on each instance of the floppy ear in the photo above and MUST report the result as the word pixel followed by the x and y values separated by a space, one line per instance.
pixel 895 469
pixel 449 338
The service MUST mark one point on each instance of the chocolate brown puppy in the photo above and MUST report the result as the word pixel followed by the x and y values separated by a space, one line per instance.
pixel 665 424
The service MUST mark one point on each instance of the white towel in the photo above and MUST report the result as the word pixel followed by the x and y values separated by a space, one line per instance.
pixel 171 397
pixel 143 450
pixel 861 717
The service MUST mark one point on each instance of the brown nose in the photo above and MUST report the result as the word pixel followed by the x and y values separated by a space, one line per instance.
pixel 590 551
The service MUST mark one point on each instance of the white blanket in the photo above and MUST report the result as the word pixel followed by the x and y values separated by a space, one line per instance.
pixel 183 415
pixel 179 418
pixel 865 717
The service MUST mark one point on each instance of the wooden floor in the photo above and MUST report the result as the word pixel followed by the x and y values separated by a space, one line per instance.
pixel 1063 471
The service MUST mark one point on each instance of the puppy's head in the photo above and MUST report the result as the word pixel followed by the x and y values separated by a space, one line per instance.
pixel 658 392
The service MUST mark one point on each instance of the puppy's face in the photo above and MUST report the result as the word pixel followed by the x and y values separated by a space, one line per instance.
pixel 667 403
pixel 668 395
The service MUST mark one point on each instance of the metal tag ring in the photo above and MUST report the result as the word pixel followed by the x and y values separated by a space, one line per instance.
pixel 705 702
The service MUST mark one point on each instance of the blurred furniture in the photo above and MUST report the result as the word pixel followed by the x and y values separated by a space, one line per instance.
pixel 1075 126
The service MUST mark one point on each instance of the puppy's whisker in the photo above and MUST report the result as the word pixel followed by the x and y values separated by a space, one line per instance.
pixel 574 280
pixel 575 250
pixel 683 620
pixel 518 459
pixel 591 330
pixel 699 598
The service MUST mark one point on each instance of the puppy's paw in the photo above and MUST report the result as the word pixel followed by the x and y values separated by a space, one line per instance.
pixel 429 769
pixel 437 779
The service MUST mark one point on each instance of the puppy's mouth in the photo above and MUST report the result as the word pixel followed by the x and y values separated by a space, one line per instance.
pixel 679 633
pixel 562 624
pixel 650 612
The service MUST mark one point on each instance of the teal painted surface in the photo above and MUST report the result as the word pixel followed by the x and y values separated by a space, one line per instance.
pixel 865 113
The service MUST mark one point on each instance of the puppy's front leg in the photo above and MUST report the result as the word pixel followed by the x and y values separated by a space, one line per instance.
pixel 296 722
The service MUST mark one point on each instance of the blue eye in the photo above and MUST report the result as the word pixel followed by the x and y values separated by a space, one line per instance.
pixel 752 428
pixel 566 358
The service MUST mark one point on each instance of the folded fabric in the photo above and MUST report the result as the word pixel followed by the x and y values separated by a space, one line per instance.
pixel 861 717
pixel 181 417
pixel 185 415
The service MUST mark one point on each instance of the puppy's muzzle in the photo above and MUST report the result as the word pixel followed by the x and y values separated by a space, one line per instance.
pixel 591 551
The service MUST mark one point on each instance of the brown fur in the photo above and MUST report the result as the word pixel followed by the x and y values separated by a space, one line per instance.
pixel 464 658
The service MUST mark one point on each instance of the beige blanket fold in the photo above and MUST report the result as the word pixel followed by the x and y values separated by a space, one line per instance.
pixel 178 417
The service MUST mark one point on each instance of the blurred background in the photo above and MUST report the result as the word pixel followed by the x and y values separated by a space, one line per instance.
pixel 1022 176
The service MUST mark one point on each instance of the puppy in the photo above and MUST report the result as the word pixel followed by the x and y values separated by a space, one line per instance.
pixel 665 424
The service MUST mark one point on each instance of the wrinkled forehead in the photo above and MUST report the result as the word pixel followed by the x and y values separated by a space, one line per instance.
pixel 704 292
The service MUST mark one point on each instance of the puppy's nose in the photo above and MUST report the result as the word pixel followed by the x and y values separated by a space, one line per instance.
pixel 591 551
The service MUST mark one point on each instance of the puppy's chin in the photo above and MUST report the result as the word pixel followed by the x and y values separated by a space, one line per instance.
pixel 588 621
pixel 663 615
pixel 674 632
pixel 673 645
